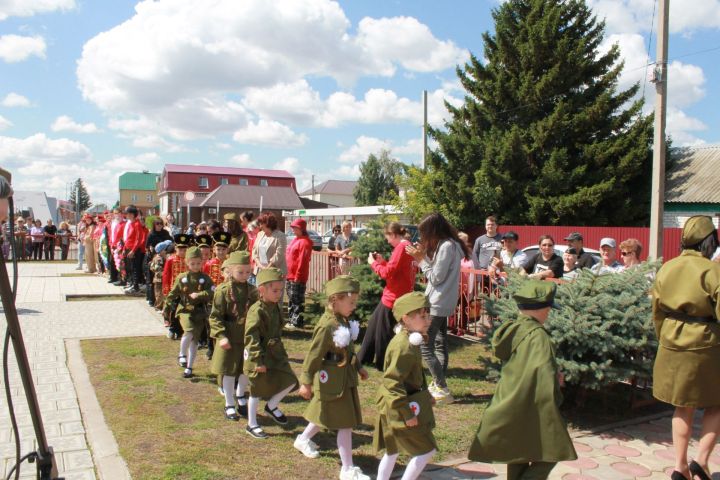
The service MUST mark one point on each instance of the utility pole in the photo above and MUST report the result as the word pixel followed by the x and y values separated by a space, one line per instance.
pixel 425 130
pixel 658 175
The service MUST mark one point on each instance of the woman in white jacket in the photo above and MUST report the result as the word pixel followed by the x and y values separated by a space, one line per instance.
pixel 439 255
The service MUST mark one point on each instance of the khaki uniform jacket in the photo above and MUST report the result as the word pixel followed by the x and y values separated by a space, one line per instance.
pixel 263 346
pixel 687 365
pixel 227 320
pixel 238 243
pixel 192 313
pixel 335 403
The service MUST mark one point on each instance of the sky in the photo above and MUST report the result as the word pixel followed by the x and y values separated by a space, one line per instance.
pixel 92 89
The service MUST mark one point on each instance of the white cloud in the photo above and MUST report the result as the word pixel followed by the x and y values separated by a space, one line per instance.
pixel 682 127
pixel 177 67
pixel 408 152
pixel 362 148
pixel 303 176
pixel 16 48
pixel 5 123
pixel 156 142
pixel 636 15
pixel 64 123
pixel 17 151
pixel 269 132
pixel 685 84
pixel 144 161
pixel 241 160
pixel 13 99
pixel 28 8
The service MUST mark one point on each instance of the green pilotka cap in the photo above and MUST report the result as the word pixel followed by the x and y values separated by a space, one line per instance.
pixel 193 252
pixel 696 229
pixel 232 216
pixel 268 275
pixel 342 284
pixel 409 303
pixel 535 294
pixel 240 257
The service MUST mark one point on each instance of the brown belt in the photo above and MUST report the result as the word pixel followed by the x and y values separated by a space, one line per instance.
pixel 684 317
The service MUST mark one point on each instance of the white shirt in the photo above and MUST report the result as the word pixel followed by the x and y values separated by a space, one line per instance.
pixel 600 268
pixel 125 231
pixel 263 249
pixel 517 260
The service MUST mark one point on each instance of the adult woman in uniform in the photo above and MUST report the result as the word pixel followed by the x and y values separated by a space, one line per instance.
pixel 686 307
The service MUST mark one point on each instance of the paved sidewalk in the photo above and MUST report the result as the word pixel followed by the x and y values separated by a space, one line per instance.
pixel 47 321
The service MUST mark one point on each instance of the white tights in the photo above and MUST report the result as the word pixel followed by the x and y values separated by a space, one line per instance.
pixel 188 348
pixel 242 385
pixel 344 442
pixel 412 471
pixel 228 383
pixel 272 405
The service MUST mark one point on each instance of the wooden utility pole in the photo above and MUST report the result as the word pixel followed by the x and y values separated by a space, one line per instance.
pixel 425 130
pixel 658 174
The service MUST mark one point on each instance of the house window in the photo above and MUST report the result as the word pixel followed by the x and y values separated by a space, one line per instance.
pixel 133 198
pixel 263 182
pixel 244 181
pixel 149 197
pixel 223 181
pixel 203 182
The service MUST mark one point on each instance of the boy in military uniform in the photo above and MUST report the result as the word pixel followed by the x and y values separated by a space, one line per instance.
pixel 330 376
pixel 266 361
pixel 174 266
pixel 227 326
pixel 213 267
pixel 405 419
pixel 204 243
pixel 523 426
pixel 191 293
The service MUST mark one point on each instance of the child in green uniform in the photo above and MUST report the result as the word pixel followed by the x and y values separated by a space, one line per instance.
pixel 405 419
pixel 330 376
pixel 227 326
pixel 523 426
pixel 266 361
pixel 193 289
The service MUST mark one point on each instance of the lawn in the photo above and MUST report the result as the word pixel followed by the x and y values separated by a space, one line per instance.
pixel 168 427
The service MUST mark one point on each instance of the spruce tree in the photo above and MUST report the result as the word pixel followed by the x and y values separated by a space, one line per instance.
pixel 79 197
pixel 544 136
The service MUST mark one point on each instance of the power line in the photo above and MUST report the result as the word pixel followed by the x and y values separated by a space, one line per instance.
pixel 647 58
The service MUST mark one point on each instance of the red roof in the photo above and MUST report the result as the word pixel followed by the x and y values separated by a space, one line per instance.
pixel 254 172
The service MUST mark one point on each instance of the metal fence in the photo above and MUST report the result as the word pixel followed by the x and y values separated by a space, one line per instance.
pixel 24 249
pixel 325 266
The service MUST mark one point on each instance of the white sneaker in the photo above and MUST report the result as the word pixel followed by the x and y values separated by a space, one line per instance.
pixel 442 395
pixel 353 473
pixel 432 387
pixel 306 447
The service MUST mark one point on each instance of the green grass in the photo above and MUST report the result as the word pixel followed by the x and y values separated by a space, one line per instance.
pixel 168 427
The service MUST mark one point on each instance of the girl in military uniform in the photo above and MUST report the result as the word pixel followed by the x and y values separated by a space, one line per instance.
pixel 405 417
pixel 227 326
pixel 191 293
pixel 330 376
pixel 523 426
pixel 686 308
pixel 266 361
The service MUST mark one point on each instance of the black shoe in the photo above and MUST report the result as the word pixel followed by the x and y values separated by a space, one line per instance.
pixel 187 373
pixel 279 419
pixel 242 410
pixel 231 414
pixel 256 432
pixel 111 281
pixel 675 475
pixel 697 471
pixel 118 283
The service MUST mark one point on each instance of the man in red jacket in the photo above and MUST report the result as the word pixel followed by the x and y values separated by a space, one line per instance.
pixel 133 241
pixel 297 257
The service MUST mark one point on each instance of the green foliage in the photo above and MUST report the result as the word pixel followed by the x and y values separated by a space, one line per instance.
pixel 377 182
pixel 79 196
pixel 544 136
pixel 603 331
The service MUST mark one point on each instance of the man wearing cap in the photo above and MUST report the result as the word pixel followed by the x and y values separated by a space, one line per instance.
pixel 584 259
pixel 608 258
pixel 239 239
pixel 686 309
pixel 297 257
pixel 523 426
pixel 511 257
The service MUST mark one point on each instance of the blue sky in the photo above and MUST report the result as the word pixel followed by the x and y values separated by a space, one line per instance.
pixel 96 88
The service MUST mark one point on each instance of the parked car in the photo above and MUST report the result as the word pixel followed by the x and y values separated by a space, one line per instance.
pixel 360 231
pixel 314 236
pixel 533 250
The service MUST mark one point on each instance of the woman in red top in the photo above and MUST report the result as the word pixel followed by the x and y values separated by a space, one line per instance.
pixel 297 257
pixel 399 276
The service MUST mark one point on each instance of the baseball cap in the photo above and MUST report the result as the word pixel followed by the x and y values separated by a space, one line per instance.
pixel 609 242
pixel 511 235
pixel 574 236
pixel 299 223
pixel 571 251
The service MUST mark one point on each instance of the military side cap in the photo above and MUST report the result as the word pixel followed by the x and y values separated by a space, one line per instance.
pixel 193 252
pixel 203 240
pixel 221 238
pixel 409 303
pixel 268 275
pixel 696 229
pixel 342 284
pixel 232 216
pixel 240 257
pixel 182 240
pixel 535 294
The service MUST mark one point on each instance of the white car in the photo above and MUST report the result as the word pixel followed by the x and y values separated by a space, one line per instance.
pixel 532 250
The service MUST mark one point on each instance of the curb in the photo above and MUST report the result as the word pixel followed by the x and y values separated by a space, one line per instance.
pixel 108 462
